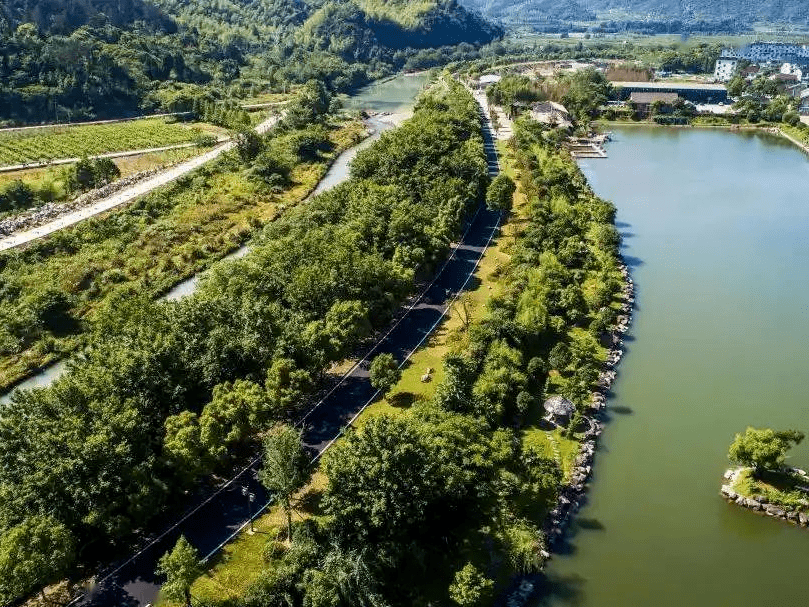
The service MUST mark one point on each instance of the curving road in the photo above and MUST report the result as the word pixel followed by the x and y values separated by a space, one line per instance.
pixel 125 195
pixel 223 514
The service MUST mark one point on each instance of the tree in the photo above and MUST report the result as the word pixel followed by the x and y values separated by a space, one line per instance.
pixel 181 567
pixel 182 445
pixel 470 587
pixel 500 195
pixel 286 467
pixel 248 144
pixel 33 554
pixel 384 372
pixel 763 449
pixel 235 412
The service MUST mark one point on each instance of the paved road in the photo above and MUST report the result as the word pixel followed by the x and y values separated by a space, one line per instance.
pixel 216 520
pixel 123 196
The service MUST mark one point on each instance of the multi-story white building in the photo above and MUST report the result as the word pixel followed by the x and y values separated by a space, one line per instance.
pixel 775 52
pixel 725 68
pixel 790 69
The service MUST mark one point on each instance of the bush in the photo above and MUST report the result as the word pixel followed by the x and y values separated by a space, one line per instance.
pixel 384 372
pixel 17 195
pixel 500 195
pixel 470 587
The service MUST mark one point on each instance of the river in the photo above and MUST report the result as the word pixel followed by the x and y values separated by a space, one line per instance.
pixel 393 96
pixel 715 232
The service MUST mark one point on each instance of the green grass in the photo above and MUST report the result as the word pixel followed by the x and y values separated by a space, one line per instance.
pixel 188 226
pixel 40 145
pixel 779 488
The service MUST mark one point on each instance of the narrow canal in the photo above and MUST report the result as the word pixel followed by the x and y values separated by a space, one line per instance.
pixel 715 231
pixel 389 100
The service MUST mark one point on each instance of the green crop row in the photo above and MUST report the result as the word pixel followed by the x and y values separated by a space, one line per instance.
pixel 76 141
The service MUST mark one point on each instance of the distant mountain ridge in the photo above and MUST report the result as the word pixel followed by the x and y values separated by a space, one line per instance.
pixel 743 11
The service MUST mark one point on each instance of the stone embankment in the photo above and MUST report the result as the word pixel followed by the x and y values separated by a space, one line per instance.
pixel 51 210
pixel 572 495
pixel 760 504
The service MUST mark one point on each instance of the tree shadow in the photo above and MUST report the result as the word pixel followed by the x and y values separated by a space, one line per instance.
pixel 404 400
pixel 621 410
pixel 588 524
pixel 311 502
pixel 552 588
pixel 632 262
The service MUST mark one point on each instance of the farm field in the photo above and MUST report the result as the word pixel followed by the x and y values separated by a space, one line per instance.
pixel 76 141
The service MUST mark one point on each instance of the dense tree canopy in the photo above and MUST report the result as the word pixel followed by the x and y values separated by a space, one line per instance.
pixel 170 391
pixel 763 449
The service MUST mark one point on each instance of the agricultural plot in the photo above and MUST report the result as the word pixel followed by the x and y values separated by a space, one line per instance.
pixel 76 141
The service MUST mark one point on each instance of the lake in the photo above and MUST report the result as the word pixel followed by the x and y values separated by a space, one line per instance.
pixel 715 233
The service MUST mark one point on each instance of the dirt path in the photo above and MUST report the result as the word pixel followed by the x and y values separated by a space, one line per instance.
pixel 124 196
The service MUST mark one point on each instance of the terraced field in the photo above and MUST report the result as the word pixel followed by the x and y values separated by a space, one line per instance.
pixel 76 141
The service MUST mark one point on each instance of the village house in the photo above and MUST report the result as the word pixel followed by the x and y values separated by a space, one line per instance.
pixel 552 113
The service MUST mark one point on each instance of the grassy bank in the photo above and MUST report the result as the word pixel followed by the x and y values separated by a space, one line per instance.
pixel 784 488
pixel 147 247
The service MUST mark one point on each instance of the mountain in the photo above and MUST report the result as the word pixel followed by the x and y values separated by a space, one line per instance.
pixel 61 17
pixel 745 12
pixel 104 58
pixel 532 11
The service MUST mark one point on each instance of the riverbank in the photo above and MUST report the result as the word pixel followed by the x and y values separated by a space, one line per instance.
pixel 777 130
pixel 573 494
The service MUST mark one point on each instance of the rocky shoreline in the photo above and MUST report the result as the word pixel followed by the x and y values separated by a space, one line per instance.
pixel 760 504
pixel 53 210
pixel 572 495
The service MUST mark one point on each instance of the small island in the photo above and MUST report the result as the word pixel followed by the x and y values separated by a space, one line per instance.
pixel 761 481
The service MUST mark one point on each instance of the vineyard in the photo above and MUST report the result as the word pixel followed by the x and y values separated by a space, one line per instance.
pixel 77 141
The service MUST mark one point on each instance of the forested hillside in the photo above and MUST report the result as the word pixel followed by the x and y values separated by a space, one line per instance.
pixel 533 11
pixel 742 12
pixel 65 60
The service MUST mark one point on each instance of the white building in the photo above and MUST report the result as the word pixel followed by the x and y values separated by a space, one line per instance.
pixel 776 52
pixel 725 68
pixel 790 69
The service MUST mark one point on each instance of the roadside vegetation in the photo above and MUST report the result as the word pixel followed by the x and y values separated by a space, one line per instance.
pixel 461 470
pixel 55 290
pixel 167 393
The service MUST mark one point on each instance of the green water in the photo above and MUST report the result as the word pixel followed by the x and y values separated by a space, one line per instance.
pixel 715 230
pixel 391 95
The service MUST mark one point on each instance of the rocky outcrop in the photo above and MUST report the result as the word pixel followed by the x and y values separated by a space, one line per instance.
pixel 760 504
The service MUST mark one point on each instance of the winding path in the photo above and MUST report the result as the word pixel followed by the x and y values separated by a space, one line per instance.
pixel 124 196
pixel 222 515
